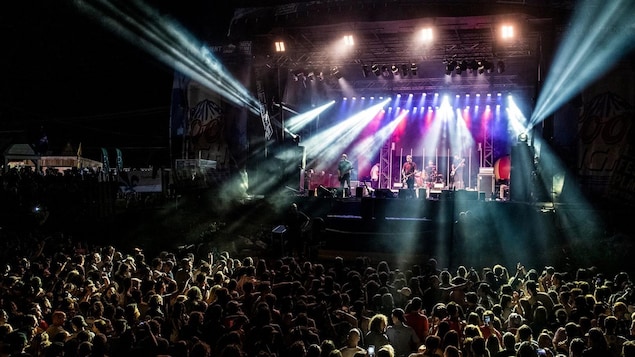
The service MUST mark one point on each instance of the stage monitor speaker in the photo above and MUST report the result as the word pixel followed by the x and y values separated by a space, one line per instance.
pixel 465 195
pixel 406 193
pixel 325 192
pixel 384 193
pixel 486 184
pixel 359 192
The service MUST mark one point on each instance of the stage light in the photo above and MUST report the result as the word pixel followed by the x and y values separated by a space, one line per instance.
pixel 449 67
pixel 365 71
pixel 394 69
pixel 522 138
pixel 481 67
pixel 280 46
pixel 472 66
pixel 426 35
pixel 375 69
pixel 335 72
pixel 460 67
pixel 500 66
pixel 507 32
pixel 311 75
pixel 348 40
pixel 320 76
pixel 404 70
pixel 413 69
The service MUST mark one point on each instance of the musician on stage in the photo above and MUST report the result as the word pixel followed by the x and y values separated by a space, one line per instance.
pixel 408 172
pixel 456 173
pixel 374 176
pixel 431 172
pixel 344 169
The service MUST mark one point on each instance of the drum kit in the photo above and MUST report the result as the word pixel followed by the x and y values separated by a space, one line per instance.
pixel 429 177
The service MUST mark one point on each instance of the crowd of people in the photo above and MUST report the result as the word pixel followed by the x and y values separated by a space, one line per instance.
pixel 61 298
pixel 66 300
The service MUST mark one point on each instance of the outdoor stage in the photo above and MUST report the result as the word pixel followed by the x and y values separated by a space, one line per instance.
pixel 456 227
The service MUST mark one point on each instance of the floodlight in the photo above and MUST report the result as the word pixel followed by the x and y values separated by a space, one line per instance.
pixel 280 46
pixel 413 69
pixel 375 69
pixel 348 40
pixel 449 67
pixel 335 72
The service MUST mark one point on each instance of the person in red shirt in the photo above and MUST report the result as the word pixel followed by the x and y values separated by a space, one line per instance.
pixel 416 318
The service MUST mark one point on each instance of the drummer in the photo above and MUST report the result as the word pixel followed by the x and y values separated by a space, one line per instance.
pixel 431 171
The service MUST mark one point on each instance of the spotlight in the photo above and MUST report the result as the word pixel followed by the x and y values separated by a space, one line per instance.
pixel 413 69
pixel 311 75
pixel 481 67
pixel 320 76
pixel 348 40
pixel 375 69
pixel 394 69
pixel 365 71
pixel 280 46
pixel 404 70
pixel 460 67
pixel 500 67
pixel 335 72
pixel 449 67
pixel 472 66
pixel 507 32
pixel 522 137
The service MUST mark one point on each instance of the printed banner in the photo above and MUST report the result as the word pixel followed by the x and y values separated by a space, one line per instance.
pixel 104 159
pixel 606 159
pixel 119 160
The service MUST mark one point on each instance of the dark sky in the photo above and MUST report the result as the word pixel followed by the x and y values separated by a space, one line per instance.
pixel 63 72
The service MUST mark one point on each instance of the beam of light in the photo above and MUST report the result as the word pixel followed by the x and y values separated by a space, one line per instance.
pixel 461 139
pixel 601 33
pixel 516 119
pixel 296 123
pixel 371 144
pixel 170 43
pixel 332 142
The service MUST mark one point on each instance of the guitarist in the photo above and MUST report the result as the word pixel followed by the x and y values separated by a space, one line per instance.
pixel 456 174
pixel 408 172
pixel 344 169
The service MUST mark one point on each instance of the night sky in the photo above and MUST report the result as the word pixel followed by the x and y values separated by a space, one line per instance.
pixel 78 82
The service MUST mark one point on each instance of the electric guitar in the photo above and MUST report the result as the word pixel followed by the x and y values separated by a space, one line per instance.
pixel 456 167
pixel 405 177
pixel 342 174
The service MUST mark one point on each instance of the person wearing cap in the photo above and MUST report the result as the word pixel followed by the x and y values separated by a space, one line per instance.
pixel 78 324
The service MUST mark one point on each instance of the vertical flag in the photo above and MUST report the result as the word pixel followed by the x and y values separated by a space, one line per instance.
pixel 119 160
pixel 79 156
pixel 104 160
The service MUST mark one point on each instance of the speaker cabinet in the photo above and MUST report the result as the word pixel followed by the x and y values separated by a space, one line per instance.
pixel 486 183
